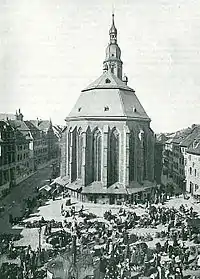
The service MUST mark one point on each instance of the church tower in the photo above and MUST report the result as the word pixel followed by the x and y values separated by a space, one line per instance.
pixel 108 146
pixel 113 53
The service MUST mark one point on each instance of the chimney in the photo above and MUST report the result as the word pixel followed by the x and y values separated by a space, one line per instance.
pixel 19 116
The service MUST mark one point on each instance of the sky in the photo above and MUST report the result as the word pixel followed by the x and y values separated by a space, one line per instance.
pixel 52 49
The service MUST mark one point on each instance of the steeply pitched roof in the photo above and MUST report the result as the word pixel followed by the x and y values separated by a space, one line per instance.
pixel 22 127
pixel 57 130
pixel 31 126
pixel 108 100
pixel 161 138
pixel 195 133
pixel 194 148
pixel 42 125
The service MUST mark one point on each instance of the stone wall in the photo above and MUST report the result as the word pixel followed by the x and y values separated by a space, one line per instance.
pixel 143 150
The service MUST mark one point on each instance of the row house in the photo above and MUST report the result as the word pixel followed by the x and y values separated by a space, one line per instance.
pixel 175 161
pixel 158 157
pixel 47 145
pixel 191 151
pixel 40 148
pixel 193 168
pixel 23 148
pixel 7 156
pixel 26 146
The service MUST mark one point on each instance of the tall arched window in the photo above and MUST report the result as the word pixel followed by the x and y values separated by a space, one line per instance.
pixel 74 155
pixel 79 153
pixel 97 148
pixel 113 158
pixel 144 155
pixel 68 152
pixel 131 157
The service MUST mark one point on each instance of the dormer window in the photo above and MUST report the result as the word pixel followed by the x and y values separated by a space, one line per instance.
pixel 195 144
pixel 106 108
pixel 134 109
pixel 107 80
pixel 79 109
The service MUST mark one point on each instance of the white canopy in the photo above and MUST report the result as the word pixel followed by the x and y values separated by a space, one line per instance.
pixel 46 188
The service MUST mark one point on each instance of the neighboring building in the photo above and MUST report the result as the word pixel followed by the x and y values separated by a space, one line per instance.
pixel 175 157
pixel 47 140
pixel 7 156
pixel 23 148
pixel 173 164
pixel 193 167
pixel 158 158
pixel 40 147
pixel 108 145
pixel 189 139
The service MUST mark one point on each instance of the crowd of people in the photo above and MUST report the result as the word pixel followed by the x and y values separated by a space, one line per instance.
pixel 164 260
pixel 28 263
pixel 122 252
pixel 115 242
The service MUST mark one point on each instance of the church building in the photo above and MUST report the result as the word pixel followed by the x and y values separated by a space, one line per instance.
pixel 107 151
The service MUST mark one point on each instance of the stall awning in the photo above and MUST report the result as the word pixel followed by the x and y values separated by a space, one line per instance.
pixel 46 188
pixel 63 181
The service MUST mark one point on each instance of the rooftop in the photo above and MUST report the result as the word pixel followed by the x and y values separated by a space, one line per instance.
pixel 108 97
pixel 195 132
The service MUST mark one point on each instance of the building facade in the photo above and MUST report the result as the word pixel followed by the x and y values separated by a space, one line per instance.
pixel 7 156
pixel 158 160
pixel 193 167
pixel 25 147
pixel 175 157
pixel 108 145
pixel 23 143
pixel 46 141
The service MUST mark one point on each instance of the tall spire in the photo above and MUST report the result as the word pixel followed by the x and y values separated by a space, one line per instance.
pixel 113 31
pixel 113 61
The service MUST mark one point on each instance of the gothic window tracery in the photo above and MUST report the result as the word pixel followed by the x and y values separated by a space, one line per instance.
pixel 79 153
pixel 97 148
pixel 131 156
pixel 143 143
pixel 113 158
pixel 74 155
